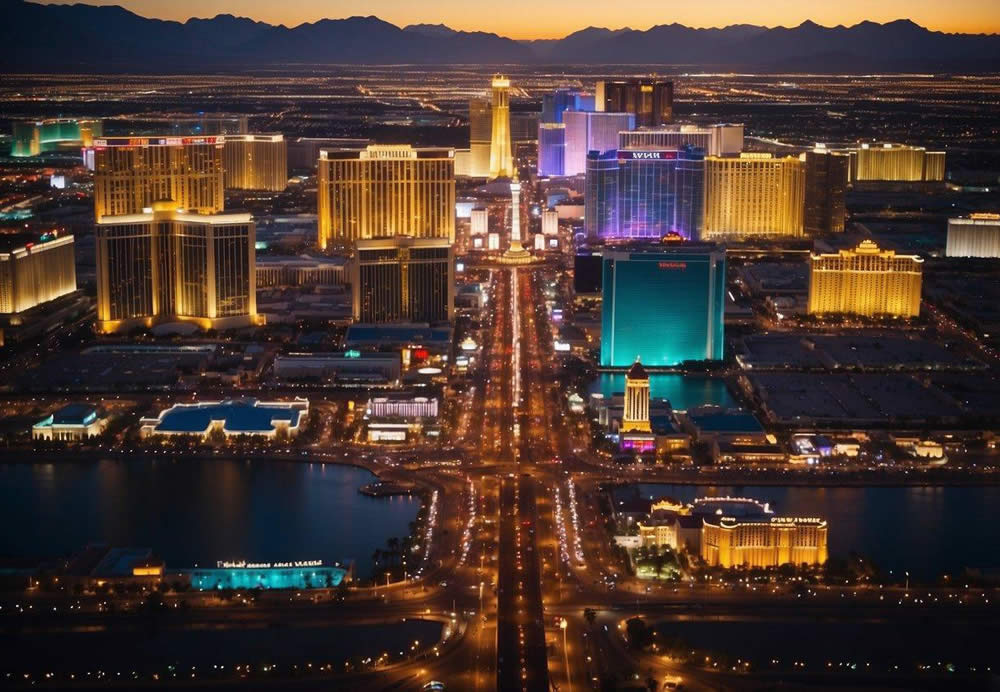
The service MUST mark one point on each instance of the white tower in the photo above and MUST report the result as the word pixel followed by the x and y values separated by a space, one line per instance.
pixel 516 252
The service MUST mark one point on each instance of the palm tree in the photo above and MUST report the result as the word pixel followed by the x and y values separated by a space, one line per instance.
pixel 590 615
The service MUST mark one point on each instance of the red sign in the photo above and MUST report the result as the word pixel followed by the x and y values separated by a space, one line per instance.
pixel 673 265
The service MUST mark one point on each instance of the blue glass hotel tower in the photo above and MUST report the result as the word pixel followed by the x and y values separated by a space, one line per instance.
pixel 645 194
pixel 663 304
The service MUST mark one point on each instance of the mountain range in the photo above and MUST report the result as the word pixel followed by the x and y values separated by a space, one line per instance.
pixel 86 38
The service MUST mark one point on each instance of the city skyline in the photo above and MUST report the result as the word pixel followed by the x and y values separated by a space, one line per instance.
pixel 550 21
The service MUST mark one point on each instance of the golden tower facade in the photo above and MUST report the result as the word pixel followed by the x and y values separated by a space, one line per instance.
pixel 480 136
pixel 35 273
pixel 384 191
pixel 169 266
pixel 130 173
pixel 753 195
pixel 501 156
pixel 896 163
pixel 636 415
pixel 763 542
pixel 866 281
pixel 255 162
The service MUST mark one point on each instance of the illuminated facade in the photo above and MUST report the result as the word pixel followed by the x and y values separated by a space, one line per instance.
pixel 232 418
pixel 636 415
pixel 70 423
pixel 501 153
pixel 32 273
pixel 663 304
pixel 865 281
pixel 551 149
pixel 34 138
pixel 557 102
pixel 169 266
pixel 600 200
pixel 650 101
pixel 766 541
pixel 403 279
pixel 714 140
pixel 753 195
pixel 588 131
pixel 130 173
pixel 644 193
pixel 824 206
pixel 975 236
pixel 895 163
pixel 480 133
pixel 402 406
pixel 383 191
pixel 255 162
pixel 550 222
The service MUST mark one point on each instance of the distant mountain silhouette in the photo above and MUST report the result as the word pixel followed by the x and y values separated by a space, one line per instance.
pixel 88 38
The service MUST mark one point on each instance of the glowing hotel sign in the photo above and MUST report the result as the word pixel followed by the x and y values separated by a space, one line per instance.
pixel 640 155
pixel 243 564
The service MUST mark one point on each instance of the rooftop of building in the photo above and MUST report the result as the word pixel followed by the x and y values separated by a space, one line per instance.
pixel 724 420
pixel 157 141
pixel 20 241
pixel 74 414
pixel 388 334
pixel 237 416
pixel 637 372
pixel 388 152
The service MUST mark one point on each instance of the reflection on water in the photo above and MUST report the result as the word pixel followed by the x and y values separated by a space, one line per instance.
pixel 683 391
pixel 195 512
pixel 924 530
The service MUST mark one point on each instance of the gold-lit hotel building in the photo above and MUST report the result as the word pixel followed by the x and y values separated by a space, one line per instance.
pixel 895 163
pixel 32 273
pixel 384 191
pixel 766 541
pixel 171 266
pixel 501 153
pixel 255 162
pixel 865 281
pixel 130 173
pixel 753 195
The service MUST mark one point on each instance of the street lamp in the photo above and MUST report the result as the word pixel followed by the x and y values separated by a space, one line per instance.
pixel 563 624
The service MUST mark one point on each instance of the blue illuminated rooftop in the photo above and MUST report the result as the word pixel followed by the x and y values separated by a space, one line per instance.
pixel 237 416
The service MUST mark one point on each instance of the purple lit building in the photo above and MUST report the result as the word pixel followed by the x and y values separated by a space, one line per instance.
pixel 645 193
pixel 588 131
pixel 551 149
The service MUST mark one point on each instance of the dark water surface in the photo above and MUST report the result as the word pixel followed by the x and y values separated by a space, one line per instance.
pixel 195 512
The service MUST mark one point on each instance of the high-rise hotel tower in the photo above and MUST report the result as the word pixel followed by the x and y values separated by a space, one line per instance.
pixel 501 156
pixel 255 162
pixel 403 279
pixel 170 266
pixel 383 191
pixel 895 163
pixel 663 303
pixel 650 101
pixel 753 195
pixel 130 173
pixel 865 281
pixel 480 133
pixel 34 270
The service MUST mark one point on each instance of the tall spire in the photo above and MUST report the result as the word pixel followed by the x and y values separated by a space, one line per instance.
pixel 501 160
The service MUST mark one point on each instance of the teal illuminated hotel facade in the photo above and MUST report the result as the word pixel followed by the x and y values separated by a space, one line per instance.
pixel 663 304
